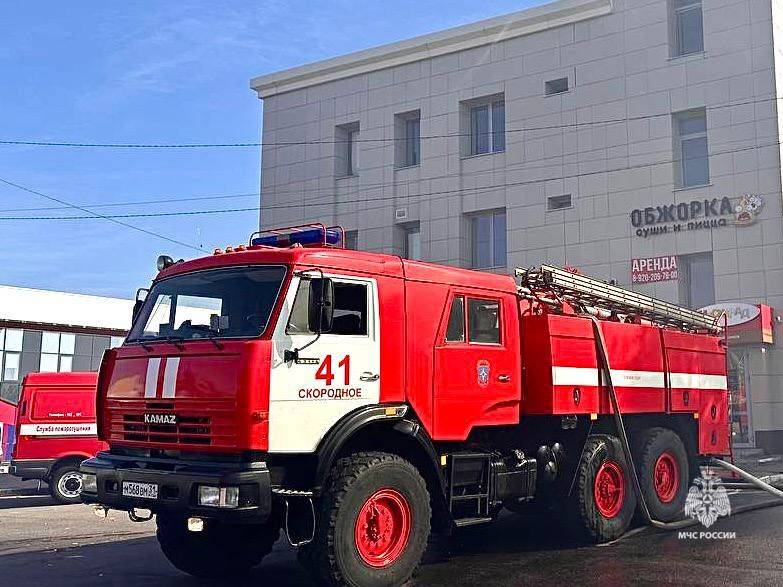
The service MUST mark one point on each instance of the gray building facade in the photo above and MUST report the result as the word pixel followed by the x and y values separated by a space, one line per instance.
pixel 635 140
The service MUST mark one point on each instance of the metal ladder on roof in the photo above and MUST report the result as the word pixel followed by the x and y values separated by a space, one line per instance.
pixel 553 285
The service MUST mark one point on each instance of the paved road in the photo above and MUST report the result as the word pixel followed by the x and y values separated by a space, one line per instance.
pixel 70 546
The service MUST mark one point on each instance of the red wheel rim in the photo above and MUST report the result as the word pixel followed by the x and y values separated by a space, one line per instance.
pixel 666 477
pixel 382 528
pixel 609 489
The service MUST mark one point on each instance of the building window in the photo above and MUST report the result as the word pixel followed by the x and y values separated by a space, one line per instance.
pixel 691 148
pixel 488 239
pixel 116 341
pixel 10 351
pixel 697 280
pixel 57 352
pixel 352 239
pixel 484 125
pixel 556 86
pixel 412 244
pixel 558 202
pixel 346 155
pixel 407 135
pixel 686 27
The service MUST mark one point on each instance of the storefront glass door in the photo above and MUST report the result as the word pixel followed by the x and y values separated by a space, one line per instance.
pixel 739 390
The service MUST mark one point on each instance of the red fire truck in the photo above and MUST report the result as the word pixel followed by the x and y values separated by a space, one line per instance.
pixel 56 431
pixel 358 401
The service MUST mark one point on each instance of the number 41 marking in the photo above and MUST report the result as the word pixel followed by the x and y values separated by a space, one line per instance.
pixel 324 371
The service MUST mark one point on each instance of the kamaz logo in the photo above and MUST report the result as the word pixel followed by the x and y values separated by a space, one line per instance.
pixel 165 419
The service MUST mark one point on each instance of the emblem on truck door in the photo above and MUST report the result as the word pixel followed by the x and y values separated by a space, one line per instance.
pixel 161 419
pixel 482 371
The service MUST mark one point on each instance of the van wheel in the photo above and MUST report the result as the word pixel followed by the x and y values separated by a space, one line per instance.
pixel 219 551
pixel 65 484
pixel 373 523
pixel 603 500
pixel 663 473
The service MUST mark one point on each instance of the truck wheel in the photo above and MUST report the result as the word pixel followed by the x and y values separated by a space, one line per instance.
pixel 603 501
pixel 663 473
pixel 65 484
pixel 219 550
pixel 373 522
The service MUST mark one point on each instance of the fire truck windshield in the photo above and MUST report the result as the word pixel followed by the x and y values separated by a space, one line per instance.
pixel 215 303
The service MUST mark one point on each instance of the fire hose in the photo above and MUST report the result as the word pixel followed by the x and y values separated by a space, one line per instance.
pixel 603 357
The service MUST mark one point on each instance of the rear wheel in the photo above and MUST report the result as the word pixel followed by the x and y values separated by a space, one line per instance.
pixel 663 473
pixel 65 484
pixel 603 502
pixel 219 550
pixel 373 522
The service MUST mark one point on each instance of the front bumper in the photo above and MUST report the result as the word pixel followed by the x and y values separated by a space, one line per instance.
pixel 178 483
pixel 31 468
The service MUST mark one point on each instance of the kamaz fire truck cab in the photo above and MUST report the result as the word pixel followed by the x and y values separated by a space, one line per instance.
pixel 357 400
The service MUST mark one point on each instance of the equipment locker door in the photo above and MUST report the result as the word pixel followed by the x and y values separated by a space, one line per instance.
pixel 477 372
pixel 336 374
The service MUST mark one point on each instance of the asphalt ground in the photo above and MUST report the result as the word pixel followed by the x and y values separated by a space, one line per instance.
pixel 70 546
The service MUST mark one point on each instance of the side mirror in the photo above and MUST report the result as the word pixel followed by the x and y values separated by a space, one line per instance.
pixel 141 296
pixel 320 310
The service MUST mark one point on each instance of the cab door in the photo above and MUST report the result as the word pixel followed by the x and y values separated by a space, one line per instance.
pixel 477 365
pixel 336 373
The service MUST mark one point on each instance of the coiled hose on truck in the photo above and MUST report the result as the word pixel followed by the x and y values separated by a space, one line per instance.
pixel 618 419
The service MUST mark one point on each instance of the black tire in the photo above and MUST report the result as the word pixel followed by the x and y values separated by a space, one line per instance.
pixel 334 556
pixel 65 484
pixel 219 551
pixel 667 502
pixel 611 518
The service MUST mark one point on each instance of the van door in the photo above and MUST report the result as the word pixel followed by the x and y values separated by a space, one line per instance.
pixel 477 365
pixel 336 373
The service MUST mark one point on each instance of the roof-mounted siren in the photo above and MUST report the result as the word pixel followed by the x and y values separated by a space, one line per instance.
pixel 304 235
pixel 553 285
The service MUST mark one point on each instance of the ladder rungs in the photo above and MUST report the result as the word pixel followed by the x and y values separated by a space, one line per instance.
pixel 596 293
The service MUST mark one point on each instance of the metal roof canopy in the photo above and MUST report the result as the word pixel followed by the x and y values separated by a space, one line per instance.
pixel 586 291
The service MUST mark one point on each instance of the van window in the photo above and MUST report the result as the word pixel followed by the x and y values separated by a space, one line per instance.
pixel 484 321
pixel 350 309
pixel 455 331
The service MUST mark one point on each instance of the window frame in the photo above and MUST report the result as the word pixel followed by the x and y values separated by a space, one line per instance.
pixel 409 231
pixel 407 139
pixel 473 243
pixel 686 263
pixel 353 236
pixel 467 298
pixel 369 305
pixel 677 12
pixel 346 153
pixel 5 353
pixel 60 354
pixel 556 200
pixel 681 139
pixel 550 86
pixel 495 107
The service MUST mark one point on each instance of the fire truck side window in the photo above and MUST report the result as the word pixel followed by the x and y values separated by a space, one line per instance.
pixel 455 331
pixel 484 321
pixel 350 309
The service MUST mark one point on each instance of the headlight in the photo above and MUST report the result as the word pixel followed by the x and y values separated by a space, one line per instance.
pixel 89 483
pixel 218 497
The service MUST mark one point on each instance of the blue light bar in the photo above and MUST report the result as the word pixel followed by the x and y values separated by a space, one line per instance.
pixel 307 237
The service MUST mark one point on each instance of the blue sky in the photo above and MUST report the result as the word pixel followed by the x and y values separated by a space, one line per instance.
pixel 157 72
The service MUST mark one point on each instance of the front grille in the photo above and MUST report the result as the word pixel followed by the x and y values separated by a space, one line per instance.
pixel 197 423
pixel 188 430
